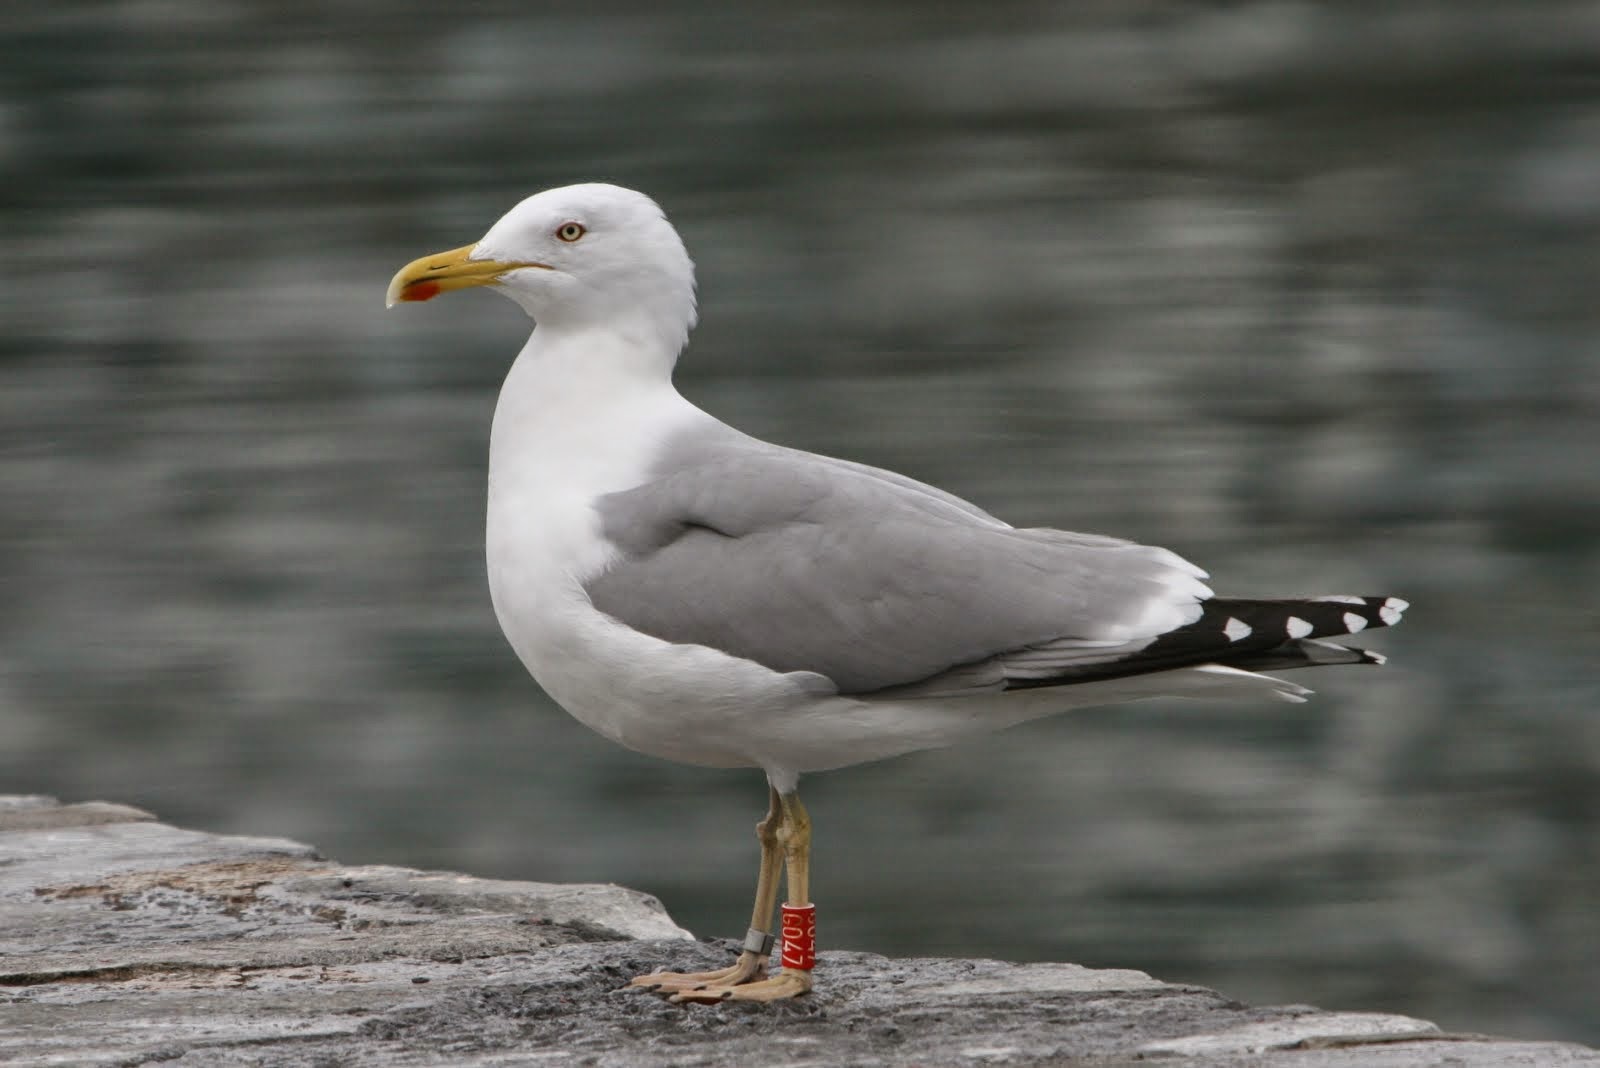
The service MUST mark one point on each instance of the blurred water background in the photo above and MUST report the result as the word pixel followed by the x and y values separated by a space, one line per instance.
pixel 1305 291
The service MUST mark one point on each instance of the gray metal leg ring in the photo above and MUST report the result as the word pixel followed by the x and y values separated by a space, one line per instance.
pixel 758 942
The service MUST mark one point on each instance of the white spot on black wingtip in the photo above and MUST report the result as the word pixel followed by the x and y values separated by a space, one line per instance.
pixel 1297 627
pixel 1375 658
pixel 1391 610
pixel 1354 623
pixel 1236 629
pixel 1341 598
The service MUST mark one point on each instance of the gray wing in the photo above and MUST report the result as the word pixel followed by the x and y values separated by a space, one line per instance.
pixel 804 563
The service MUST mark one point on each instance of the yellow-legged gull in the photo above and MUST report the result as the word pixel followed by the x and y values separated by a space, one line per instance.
pixel 699 595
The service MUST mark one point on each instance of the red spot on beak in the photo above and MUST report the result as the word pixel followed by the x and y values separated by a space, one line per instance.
pixel 420 291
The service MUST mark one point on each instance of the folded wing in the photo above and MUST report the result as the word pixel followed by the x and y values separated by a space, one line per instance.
pixel 867 578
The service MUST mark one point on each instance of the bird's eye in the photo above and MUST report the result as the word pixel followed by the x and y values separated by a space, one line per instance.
pixel 570 232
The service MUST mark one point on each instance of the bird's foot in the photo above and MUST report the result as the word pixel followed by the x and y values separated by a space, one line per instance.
pixel 748 968
pixel 788 983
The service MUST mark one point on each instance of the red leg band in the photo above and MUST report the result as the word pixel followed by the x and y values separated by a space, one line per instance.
pixel 799 937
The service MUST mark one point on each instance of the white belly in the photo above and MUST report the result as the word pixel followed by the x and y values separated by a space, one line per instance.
pixel 678 702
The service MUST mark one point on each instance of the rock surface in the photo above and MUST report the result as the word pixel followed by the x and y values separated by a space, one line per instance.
pixel 125 941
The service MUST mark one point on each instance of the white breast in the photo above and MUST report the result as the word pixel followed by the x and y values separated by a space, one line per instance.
pixel 565 434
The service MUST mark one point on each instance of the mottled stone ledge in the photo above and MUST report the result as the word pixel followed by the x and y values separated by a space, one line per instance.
pixel 125 941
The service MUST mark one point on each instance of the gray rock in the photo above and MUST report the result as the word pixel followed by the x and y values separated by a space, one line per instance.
pixel 125 941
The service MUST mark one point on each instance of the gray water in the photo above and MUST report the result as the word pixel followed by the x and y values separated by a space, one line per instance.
pixel 1304 291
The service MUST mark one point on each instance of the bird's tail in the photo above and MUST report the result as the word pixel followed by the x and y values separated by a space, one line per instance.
pixel 1280 634
pixel 1249 635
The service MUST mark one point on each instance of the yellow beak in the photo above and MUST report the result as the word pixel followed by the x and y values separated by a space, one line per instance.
pixel 426 278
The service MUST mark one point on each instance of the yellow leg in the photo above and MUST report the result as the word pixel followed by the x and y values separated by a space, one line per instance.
pixel 752 960
pixel 771 861
pixel 793 834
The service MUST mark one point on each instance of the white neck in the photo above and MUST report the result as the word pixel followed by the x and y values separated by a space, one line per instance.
pixel 582 412
pixel 651 317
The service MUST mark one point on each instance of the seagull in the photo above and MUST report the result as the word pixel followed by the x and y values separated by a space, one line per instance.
pixel 699 595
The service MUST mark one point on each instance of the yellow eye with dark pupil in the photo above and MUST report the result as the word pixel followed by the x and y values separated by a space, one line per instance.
pixel 570 231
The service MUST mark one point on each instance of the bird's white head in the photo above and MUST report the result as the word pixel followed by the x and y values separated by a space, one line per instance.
pixel 578 257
